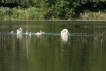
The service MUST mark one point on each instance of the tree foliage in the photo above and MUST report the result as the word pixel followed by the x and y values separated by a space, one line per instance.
pixel 62 9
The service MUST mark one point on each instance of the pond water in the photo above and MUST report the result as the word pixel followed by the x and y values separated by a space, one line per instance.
pixel 85 49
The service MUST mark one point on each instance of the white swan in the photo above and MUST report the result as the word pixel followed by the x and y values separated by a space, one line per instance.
pixel 30 34
pixel 64 35
pixel 19 31
pixel 26 33
pixel 42 32
pixel 39 33
pixel 11 32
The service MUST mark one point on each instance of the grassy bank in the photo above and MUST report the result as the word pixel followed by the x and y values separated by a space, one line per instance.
pixel 37 14
pixel 93 16
pixel 14 14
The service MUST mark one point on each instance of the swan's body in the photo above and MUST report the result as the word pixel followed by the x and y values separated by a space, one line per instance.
pixel 42 32
pixel 64 34
pixel 39 33
pixel 30 33
pixel 26 33
pixel 11 32
pixel 19 33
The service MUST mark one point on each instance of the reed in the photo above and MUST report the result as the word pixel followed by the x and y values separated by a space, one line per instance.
pixel 93 16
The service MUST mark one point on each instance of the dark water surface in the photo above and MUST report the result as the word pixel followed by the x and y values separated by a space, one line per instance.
pixel 85 49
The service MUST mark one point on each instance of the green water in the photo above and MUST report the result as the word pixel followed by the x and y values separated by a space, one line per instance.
pixel 83 51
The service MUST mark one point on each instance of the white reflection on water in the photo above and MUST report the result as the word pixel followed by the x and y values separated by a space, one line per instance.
pixel 19 36
pixel 64 38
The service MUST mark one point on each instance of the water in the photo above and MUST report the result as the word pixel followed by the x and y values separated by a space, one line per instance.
pixel 83 51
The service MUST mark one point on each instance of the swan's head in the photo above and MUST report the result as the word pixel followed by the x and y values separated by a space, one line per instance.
pixel 64 31
pixel 20 29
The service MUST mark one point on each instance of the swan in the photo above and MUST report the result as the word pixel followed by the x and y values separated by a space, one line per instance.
pixel 11 32
pixel 39 33
pixel 64 34
pixel 42 32
pixel 19 31
pixel 30 34
pixel 26 32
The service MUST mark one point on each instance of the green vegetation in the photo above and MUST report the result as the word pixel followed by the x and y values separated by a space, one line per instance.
pixel 18 10
pixel 93 16
pixel 15 14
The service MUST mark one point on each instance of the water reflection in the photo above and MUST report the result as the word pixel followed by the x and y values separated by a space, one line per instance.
pixel 64 38
pixel 12 54
pixel 19 36
pixel 99 38
pixel 51 51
